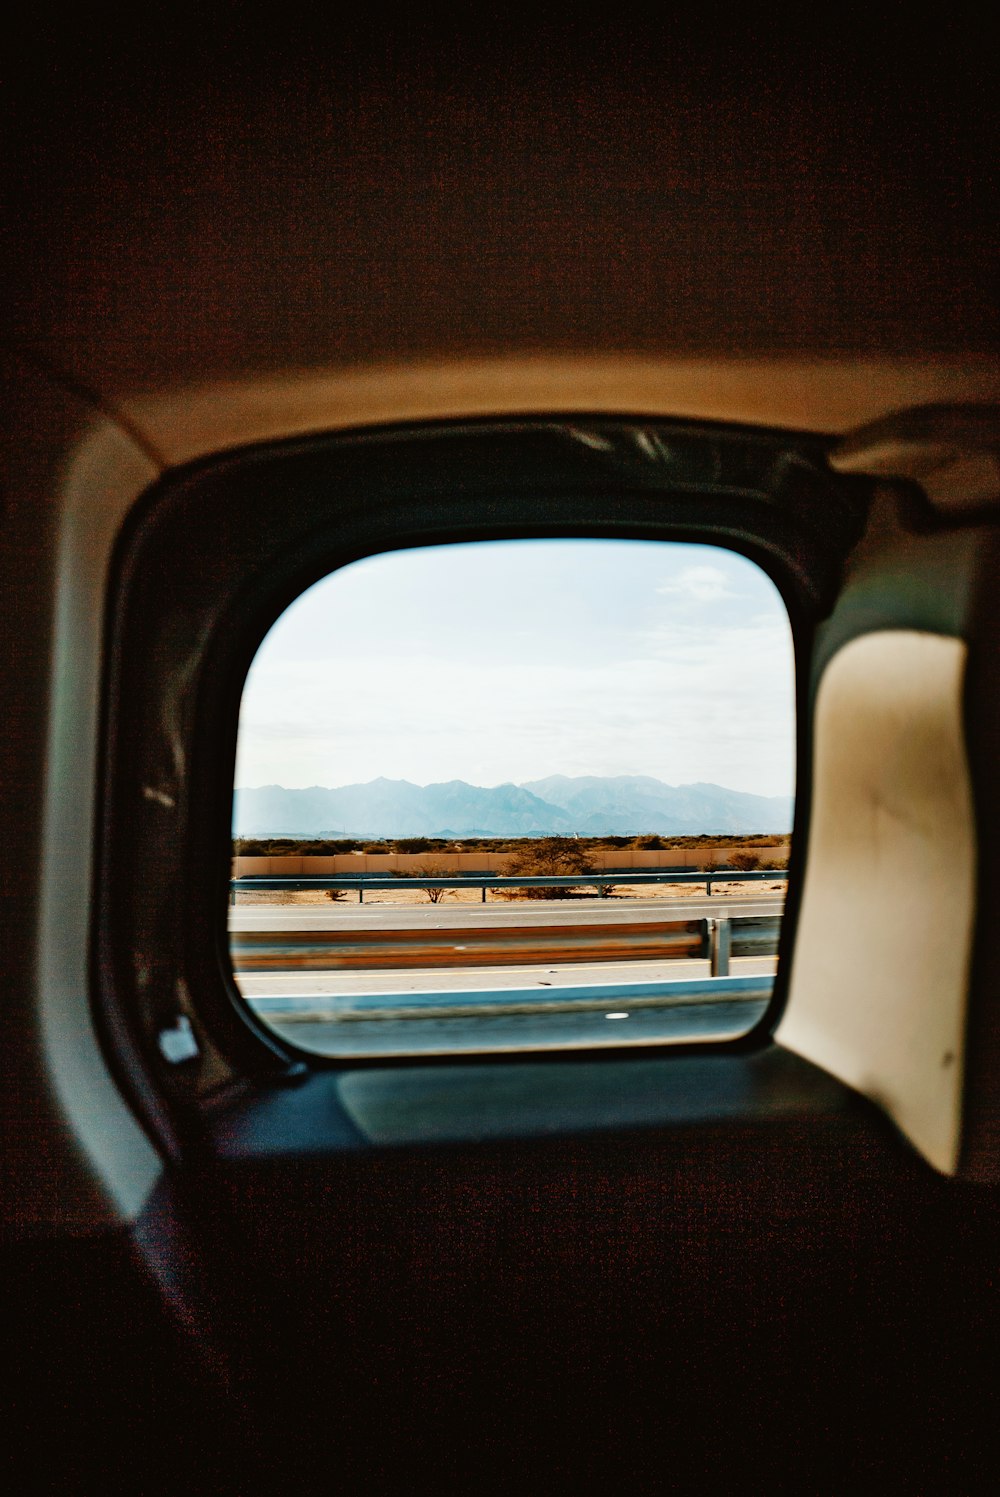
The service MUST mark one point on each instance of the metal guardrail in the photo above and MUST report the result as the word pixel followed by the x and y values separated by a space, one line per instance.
pixel 601 881
pixel 718 930
pixel 343 950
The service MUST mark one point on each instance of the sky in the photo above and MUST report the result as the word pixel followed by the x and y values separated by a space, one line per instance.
pixel 513 660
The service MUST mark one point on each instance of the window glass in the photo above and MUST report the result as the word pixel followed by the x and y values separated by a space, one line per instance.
pixel 612 719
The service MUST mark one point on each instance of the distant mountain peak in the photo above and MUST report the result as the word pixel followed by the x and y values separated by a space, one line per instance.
pixel 583 805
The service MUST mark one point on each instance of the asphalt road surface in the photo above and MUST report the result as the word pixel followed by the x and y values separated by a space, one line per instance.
pixel 496 915
pixel 612 1026
pixel 520 1009
pixel 458 979
pixel 511 1007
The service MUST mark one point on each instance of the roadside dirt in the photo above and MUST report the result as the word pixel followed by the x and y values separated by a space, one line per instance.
pixel 473 896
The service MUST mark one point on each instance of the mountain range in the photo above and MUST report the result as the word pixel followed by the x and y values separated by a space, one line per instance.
pixel 585 805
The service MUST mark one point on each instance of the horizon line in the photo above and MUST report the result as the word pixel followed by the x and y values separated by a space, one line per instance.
pixel 517 784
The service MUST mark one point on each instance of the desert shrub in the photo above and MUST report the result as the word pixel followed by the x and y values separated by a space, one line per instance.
pixel 335 894
pixel 775 863
pixel 431 870
pixel 746 862
pixel 649 843
pixel 547 855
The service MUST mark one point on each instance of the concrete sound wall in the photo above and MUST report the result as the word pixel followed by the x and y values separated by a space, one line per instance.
pixel 415 864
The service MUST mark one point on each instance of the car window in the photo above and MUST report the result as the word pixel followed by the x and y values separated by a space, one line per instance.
pixel 516 795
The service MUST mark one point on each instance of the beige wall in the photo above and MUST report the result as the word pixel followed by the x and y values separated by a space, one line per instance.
pixel 485 862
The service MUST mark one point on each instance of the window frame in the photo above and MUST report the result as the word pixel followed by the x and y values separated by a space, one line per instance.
pixel 224 546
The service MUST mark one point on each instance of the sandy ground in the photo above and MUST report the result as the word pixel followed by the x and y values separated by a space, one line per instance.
pixel 754 890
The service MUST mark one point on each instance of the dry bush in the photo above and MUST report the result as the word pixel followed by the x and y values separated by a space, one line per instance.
pixel 431 870
pixel 549 855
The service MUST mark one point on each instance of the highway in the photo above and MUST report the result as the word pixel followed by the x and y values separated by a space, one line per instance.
pixel 540 1004
pixel 439 1012
pixel 441 1036
pixel 496 914
pixel 317 983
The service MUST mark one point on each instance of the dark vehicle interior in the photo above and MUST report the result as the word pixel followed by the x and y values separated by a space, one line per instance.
pixel 279 301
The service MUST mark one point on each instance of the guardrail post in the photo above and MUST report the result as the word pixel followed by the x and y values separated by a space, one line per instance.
pixel 719 945
pixel 604 885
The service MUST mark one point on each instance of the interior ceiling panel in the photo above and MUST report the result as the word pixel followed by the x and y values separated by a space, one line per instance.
pixel 465 197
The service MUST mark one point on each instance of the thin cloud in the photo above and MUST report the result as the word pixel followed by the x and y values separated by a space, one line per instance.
pixel 607 678
pixel 700 584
